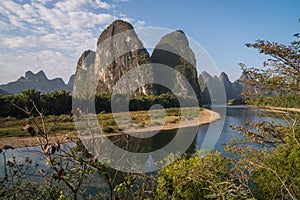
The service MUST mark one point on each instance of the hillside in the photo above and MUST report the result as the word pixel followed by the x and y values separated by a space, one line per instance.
pixel 38 81
pixel 210 85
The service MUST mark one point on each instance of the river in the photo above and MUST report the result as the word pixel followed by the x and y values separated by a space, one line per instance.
pixel 235 115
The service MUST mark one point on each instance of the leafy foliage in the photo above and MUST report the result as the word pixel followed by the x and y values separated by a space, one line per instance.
pixel 54 103
pixel 58 103
pixel 274 172
pixel 282 70
pixel 277 176
pixel 270 153
pixel 201 176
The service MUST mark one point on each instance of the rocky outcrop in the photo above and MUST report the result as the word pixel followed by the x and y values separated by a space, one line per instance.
pixel 84 75
pixel 38 81
pixel 211 87
pixel 119 51
pixel 173 51
pixel 205 80
pixel 71 82
pixel 233 90
pixel 122 63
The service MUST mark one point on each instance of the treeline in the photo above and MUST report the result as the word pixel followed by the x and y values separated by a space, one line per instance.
pixel 60 102
pixel 288 101
pixel 140 102
pixel 54 103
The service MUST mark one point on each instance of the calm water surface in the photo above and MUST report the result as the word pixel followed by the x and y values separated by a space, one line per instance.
pixel 235 115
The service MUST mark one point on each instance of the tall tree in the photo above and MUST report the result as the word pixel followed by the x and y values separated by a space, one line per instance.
pixel 274 172
pixel 281 72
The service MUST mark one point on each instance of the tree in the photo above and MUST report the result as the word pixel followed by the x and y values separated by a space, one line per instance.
pixel 57 103
pixel 281 73
pixel 270 153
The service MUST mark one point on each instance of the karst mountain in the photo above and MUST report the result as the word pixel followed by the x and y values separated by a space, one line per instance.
pixel 116 65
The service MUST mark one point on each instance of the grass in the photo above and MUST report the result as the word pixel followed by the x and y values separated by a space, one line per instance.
pixel 11 127
pixel 64 124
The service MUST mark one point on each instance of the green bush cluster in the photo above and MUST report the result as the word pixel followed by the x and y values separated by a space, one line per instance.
pixel 201 176
pixel 288 101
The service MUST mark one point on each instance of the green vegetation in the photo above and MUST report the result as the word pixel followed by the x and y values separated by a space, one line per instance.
pixel 142 118
pixel 58 103
pixel 72 172
pixel 64 124
pixel 287 101
pixel 278 83
pixel 277 175
pixel 201 176
pixel 236 101
pixel 273 173
pixel 54 103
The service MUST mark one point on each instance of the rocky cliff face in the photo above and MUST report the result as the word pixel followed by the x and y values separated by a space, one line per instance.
pixel 205 80
pixel 173 50
pixel 118 51
pixel 71 82
pixel 38 81
pixel 84 75
pixel 233 90
pixel 211 85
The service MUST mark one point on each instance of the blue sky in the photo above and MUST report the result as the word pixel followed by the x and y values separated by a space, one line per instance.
pixel 51 35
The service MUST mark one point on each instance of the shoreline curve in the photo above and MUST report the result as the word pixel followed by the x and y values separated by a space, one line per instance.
pixel 206 116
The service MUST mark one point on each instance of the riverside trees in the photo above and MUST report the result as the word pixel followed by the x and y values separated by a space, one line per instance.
pixel 273 173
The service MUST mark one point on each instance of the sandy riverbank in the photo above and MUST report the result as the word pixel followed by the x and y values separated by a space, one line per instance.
pixel 280 109
pixel 206 116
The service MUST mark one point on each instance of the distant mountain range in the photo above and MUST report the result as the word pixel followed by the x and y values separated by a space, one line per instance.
pixel 39 82
pixel 2 92
pixel 97 65
pixel 210 86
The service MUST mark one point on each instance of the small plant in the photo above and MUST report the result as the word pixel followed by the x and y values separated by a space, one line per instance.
pixel 108 129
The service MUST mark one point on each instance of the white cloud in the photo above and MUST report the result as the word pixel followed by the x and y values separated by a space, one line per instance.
pixel 18 14
pixel 59 31
pixel 101 4
pixel 16 42
pixel 121 0
pixel 4 25
pixel 70 5
pixel 139 24
pixel 43 1
pixel 49 61
pixel 77 5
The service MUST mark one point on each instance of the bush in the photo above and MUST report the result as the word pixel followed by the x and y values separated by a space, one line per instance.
pixel 108 129
pixel 200 177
